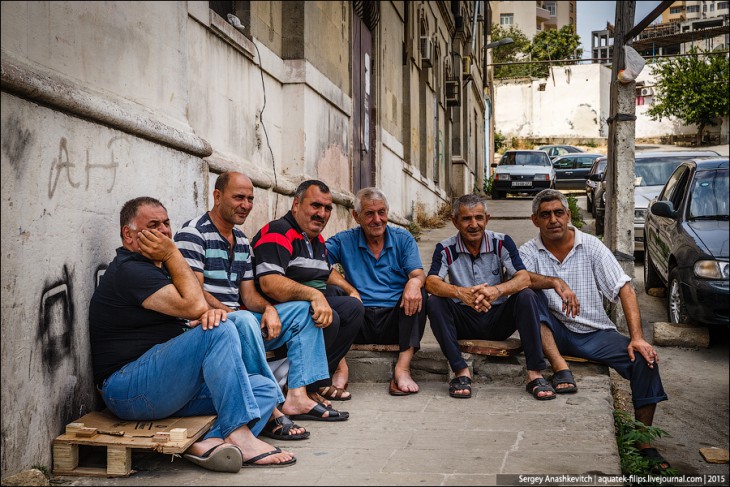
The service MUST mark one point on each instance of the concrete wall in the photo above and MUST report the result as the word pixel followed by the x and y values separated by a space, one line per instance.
pixel 103 102
pixel 572 103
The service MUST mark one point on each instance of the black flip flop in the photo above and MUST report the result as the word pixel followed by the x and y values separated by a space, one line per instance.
pixel 220 458
pixel 251 462
pixel 317 414
pixel 279 428
pixel 660 465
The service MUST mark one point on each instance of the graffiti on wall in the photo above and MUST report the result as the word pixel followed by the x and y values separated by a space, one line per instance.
pixel 64 164
pixel 56 322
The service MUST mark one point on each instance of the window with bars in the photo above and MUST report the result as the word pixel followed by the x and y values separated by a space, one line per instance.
pixel 506 19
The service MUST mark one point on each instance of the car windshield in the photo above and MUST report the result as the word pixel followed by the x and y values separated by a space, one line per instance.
pixel 655 171
pixel 524 159
pixel 710 195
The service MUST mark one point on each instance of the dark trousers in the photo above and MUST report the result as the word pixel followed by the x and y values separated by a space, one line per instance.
pixel 391 326
pixel 609 347
pixel 452 321
pixel 347 319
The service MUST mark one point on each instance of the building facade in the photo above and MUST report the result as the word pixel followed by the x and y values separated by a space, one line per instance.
pixel 106 101
pixel 533 17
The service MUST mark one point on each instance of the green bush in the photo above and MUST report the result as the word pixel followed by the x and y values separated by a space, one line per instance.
pixel 576 219
pixel 487 184
pixel 499 141
pixel 629 432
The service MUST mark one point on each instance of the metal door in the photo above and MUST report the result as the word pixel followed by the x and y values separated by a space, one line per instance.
pixel 362 147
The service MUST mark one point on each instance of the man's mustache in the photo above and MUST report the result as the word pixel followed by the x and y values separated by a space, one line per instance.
pixel 317 219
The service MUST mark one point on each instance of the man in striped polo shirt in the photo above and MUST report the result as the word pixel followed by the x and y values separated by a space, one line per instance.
pixel 482 301
pixel 291 263
pixel 220 255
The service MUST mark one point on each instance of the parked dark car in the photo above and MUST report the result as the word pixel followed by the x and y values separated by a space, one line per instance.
pixel 571 170
pixel 554 151
pixel 598 168
pixel 687 242
pixel 522 171
pixel 652 169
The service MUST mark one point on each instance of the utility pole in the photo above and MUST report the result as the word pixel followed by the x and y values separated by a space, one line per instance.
pixel 619 224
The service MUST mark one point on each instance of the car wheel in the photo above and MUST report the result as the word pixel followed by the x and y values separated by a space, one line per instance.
pixel 599 225
pixel 589 204
pixel 497 195
pixel 651 277
pixel 676 307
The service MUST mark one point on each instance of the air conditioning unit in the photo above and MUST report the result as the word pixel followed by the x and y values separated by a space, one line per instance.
pixel 466 67
pixel 426 52
pixel 647 91
pixel 453 92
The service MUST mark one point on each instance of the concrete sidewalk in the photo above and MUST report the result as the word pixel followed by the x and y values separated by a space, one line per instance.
pixel 429 438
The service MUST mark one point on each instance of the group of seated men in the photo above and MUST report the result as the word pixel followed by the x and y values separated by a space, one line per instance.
pixel 181 326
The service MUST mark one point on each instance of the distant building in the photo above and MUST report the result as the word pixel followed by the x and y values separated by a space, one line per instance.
pixel 685 24
pixel 534 17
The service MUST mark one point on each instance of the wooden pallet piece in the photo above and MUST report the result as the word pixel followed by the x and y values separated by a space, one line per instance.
pixel 492 348
pixel 102 429
pixel 372 347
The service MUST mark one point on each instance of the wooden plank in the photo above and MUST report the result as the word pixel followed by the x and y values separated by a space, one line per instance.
pixel 87 472
pixel 65 457
pixel 715 455
pixel 372 347
pixel 506 348
pixel 118 461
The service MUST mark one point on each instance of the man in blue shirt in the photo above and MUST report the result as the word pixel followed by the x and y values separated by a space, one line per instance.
pixel 486 298
pixel 383 264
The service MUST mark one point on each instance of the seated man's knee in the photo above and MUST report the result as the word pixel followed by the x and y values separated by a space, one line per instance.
pixel 527 295
pixel 245 322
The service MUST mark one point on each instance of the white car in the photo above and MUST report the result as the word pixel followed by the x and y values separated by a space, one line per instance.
pixel 522 171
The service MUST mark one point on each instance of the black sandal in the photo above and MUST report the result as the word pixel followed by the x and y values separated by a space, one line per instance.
pixel 659 465
pixel 279 428
pixel 564 376
pixel 461 383
pixel 538 385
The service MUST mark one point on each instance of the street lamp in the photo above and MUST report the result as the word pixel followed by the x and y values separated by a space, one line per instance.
pixel 501 42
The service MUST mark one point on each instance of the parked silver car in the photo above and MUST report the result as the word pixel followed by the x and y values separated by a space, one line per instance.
pixel 652 170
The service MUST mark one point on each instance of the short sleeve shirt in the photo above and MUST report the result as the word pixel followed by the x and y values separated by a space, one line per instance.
pixel 498 258
pixel 121 330
pixel 380 281
pixel 280 247
pixel 208 252
pixel 591 271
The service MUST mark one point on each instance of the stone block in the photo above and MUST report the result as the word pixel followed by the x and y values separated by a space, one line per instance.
pixel 680 335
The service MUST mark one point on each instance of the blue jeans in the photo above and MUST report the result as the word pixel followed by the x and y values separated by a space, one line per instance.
pixel 304 341
pixel 200 372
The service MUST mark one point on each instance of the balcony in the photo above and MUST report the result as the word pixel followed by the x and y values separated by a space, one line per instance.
pixel 542 13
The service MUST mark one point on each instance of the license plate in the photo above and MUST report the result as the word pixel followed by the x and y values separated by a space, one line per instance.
pixel 521 183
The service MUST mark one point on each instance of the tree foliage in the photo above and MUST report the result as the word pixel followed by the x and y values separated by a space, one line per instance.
pixel 510 53
pixel 547 45
pixel 693 89
pixel 553 44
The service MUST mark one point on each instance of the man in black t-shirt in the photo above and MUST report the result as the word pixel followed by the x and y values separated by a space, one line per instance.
pixel 149 363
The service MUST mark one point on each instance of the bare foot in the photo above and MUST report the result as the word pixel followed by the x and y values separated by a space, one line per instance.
pixel 200 447
pixel 404 381
pixel 341 376
pixel 298 402
pixel 251 447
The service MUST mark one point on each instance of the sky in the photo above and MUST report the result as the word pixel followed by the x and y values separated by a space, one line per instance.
pixel 594 15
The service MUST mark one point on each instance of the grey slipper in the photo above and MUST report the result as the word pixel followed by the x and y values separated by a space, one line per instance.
pixel 220 458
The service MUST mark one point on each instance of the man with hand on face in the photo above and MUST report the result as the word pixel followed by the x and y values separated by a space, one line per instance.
pixel 147 367
pixel 383 264
pixel 220 255
pixel 290 263
pixel 576 271
pixel 479 302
